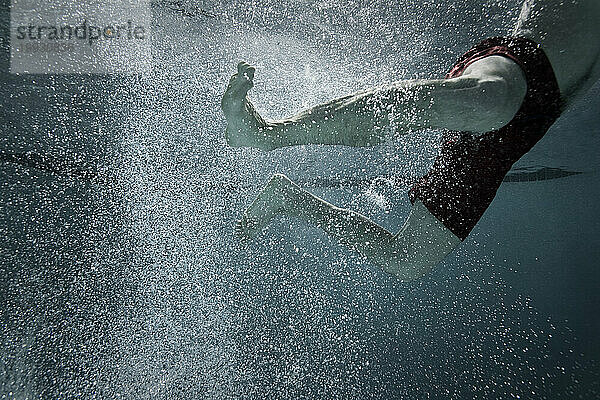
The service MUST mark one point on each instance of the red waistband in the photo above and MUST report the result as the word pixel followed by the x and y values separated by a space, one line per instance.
pixel 460 67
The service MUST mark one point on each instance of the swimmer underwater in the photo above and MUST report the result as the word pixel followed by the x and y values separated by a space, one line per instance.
pixel 496 102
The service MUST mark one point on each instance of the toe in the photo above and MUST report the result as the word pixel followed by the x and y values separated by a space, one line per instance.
pixel 242 67
pixel 246 70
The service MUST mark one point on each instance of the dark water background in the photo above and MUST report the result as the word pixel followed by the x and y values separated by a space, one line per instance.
pixel 120 274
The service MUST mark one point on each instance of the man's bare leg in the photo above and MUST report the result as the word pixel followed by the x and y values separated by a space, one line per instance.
pixel 421 244
pixel 485 97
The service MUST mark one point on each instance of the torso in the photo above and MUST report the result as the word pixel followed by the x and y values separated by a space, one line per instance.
pixel 569 33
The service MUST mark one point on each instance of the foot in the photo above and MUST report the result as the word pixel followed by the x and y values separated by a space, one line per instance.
pixel 269 203
pixel 244 125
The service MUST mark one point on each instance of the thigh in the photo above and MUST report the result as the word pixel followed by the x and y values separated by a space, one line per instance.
pixel 513 87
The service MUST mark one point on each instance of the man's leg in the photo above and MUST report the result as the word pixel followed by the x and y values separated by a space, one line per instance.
pixel 484 98
pixel 421 244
